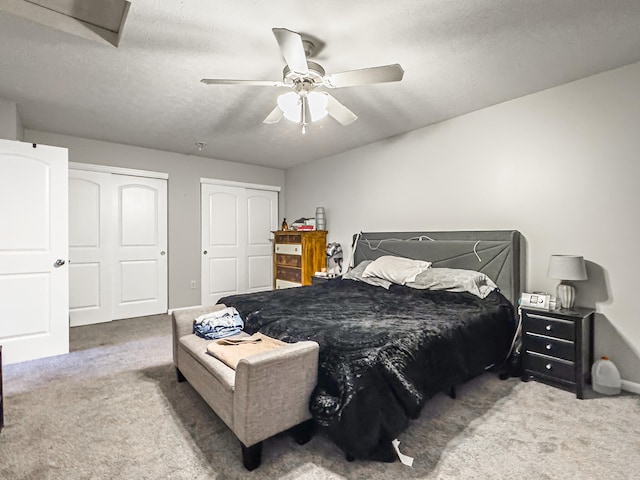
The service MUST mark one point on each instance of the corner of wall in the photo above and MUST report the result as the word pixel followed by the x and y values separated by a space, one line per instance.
pixel 19 126
pixel 10 124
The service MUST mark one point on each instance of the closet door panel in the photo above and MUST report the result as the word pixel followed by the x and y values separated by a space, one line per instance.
pixel 140 247
pixel 223 237
pixel 262 219
pixel 237 252
pixel 90 215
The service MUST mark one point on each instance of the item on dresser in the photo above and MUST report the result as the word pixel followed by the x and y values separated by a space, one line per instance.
pixel 557 347
pixel 321 221
pixel 303 224
pixel 297 256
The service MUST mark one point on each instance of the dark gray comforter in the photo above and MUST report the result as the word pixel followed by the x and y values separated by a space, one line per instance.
pixel 383 353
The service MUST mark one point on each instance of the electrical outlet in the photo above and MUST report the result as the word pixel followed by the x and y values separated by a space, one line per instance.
pixel 193 284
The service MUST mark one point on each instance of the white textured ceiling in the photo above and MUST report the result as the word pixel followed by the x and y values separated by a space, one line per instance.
pixel 458 56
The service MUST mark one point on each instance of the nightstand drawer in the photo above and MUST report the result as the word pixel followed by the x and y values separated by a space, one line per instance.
pixel 289 274
pixel 549 326
pixel 549 346
pixel 289 249
pixel 280 284
pixel 289 238
pixel 289 260
pixel 550 367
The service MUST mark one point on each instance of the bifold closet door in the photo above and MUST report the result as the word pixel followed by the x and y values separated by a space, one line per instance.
pixel 34 279
pixel 139 265
pixel 90 215
pixel 236 240
pixel 262 219
pixel 118 246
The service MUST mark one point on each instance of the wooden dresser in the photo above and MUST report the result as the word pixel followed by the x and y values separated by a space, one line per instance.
pixel 297 256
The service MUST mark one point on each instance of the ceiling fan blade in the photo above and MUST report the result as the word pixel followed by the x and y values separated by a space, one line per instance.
pixel 274 116
pixel 339 112
pixel 292 50
pixel 385 73
pixel 225 81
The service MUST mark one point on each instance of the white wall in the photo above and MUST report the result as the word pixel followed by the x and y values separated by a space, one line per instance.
pixel 562 166
pixel 184 172
pixel 10 123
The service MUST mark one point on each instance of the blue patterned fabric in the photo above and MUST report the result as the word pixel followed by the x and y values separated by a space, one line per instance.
pixel 220 324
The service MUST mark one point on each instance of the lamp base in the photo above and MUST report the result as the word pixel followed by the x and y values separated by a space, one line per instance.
pixel 567 294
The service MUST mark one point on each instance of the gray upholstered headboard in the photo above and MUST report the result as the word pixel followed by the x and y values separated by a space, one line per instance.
pixel 497 253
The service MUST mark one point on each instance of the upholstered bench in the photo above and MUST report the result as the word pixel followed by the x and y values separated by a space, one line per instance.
pixel 266 394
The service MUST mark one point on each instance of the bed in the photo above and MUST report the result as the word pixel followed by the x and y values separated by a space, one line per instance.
pixel 385 351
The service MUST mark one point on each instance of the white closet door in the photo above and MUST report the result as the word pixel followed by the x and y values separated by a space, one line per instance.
pixel 90 216
pixel 34 279
pixel 140 247
pixel 224 234
pixel 262 219
pixel 237 253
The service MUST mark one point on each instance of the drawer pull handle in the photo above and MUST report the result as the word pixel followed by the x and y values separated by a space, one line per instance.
pixel 548 366
pixel 548 328
pixel 548 346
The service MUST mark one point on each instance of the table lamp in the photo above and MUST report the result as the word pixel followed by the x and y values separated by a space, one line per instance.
pixel 567 268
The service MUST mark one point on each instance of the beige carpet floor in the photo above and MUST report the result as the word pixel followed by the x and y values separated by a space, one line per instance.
pixel 112 409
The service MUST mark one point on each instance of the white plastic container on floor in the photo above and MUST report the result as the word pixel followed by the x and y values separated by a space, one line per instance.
pixel 605 377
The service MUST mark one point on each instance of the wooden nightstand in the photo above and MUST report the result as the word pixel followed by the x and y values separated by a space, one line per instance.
pixel 316 279
pixel 557 347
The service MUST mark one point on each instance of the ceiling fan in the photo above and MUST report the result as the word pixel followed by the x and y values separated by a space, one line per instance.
pixel 303 104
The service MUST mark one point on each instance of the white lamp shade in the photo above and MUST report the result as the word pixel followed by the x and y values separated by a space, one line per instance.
pixel 567 267
pixel 291 106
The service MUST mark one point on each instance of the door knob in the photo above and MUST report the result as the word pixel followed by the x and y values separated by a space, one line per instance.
pixel 205 252
pixel 59 263
pixel 162 252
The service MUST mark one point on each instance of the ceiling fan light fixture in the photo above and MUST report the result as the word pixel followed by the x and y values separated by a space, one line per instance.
pixel 291 105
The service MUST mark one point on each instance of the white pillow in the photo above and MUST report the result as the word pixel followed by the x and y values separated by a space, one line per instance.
pixel 454 280
pixel 398 270
pixel 356 274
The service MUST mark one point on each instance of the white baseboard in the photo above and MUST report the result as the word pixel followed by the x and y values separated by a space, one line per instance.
pixel 171 310
pixel 630 386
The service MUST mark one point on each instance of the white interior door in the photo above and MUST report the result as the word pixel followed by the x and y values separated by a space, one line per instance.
pixel 34 278
pixel 140 247
pixel 262 219
pixel 236 240
pixel 90 215
pixel 224 234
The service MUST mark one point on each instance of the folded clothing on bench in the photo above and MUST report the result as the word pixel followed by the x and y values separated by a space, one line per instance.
pixel 231 350
pixel 218 324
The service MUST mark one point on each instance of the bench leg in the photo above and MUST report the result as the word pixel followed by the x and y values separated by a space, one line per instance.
pixel 179 375
pixel 303 432
pixel 452 392
pixel 251 456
